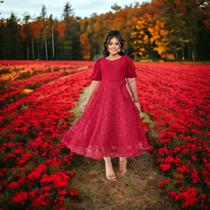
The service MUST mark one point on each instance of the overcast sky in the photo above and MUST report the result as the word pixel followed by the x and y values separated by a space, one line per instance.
pixel 82 8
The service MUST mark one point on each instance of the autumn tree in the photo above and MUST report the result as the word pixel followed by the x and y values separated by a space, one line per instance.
pixel 71 41
pixel 35 36
pixel 2 39
pixel 182 21
pixel 25 32
pixel 85 46
pixel 149 38
pixel 202 39
pixel 44 34
pixel 13 46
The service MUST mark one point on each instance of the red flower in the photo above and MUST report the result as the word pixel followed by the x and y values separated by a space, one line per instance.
pixel 62 192
pixel 190 197
pixel 177 160
pixel 172 194
pixel 13 185
pixel 194 158
pixel 73 192
pixel 183 169
pixel 20 197
pixel 150 148
pixel 194 176
pixel 165 182
pixel 177 149
pixel 34 175
pixel 180 181
pixel 165 167
pixel 164 141
pixel 169 159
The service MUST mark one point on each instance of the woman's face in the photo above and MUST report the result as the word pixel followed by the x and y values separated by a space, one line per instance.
pixel 113 46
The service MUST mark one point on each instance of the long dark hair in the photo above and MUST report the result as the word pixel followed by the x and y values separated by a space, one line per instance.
pixel 118 36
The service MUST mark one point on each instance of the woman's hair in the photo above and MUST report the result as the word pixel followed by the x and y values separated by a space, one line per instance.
pixel 118 36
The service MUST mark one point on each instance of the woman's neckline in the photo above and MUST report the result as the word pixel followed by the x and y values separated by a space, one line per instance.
pixel 114 59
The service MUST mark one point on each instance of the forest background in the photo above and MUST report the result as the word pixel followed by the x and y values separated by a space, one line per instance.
pixel 160 30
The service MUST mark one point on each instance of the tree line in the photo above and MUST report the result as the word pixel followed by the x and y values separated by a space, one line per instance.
pixel 157 30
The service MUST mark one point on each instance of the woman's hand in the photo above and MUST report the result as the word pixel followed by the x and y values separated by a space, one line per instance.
pixel 137 104
pixel 83 106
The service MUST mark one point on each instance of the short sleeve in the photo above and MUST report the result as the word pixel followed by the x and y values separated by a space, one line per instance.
pixel 130 68
pixel 96 74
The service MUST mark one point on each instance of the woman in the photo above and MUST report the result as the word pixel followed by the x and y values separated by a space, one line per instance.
pixel 110 125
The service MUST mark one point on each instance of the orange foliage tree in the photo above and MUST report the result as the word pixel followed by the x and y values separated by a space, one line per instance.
pixel 86 46
pixel 150 38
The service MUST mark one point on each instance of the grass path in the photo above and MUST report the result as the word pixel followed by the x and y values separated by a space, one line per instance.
pixel 138 189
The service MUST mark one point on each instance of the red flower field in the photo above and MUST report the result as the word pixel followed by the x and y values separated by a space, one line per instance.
pixel 36 98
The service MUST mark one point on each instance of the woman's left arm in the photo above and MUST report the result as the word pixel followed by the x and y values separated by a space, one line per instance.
pixel 133 88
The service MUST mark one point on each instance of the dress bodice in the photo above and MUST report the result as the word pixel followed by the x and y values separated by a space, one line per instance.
pixel 114 70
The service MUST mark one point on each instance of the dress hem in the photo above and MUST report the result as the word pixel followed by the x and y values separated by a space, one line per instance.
pixel 101 156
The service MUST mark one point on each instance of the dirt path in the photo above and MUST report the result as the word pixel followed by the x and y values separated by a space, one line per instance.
pixel 138 189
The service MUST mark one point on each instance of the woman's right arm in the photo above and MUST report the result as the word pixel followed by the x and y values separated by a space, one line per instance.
pixel 92 88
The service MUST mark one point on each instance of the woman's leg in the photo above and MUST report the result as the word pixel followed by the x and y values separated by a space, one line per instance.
pixel 122 166
pixel 110 174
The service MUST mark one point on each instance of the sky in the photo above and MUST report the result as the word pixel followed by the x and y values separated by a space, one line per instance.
pixel 81 8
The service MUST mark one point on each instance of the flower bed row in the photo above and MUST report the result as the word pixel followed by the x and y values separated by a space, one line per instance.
pixel 177 98
pixel 17 89
pixel 36 170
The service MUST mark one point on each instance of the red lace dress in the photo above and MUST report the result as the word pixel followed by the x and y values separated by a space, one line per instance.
pixel 110 126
